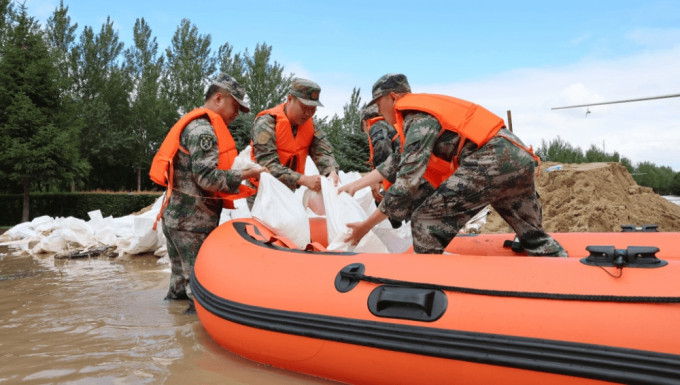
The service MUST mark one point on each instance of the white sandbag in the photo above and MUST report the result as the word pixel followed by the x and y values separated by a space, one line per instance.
pixel 313 200
pixel 76 231
pixel 20 231
pixel 341 210
pixel 370 243
pixel 278 208
pixel 310 167
pixel 396 240
pixel 144 239
pixel 53 243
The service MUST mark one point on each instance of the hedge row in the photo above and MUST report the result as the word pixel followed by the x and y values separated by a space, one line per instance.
pixel 72 205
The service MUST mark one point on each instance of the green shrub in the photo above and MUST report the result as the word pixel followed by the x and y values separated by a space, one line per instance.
pixel 72 205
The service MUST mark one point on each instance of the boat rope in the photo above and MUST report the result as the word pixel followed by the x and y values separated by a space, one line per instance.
pixel 356 276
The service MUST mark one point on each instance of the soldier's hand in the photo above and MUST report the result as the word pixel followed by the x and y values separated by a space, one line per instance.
pixel 375 191
pixel 357 231
pixel 349 188
pixel 334 177
pixel 254 172
pixel 312 182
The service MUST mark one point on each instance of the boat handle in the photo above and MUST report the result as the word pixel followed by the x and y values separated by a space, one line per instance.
pixel 407 303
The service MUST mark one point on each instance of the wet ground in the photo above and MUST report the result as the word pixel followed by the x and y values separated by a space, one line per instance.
pixel 104 321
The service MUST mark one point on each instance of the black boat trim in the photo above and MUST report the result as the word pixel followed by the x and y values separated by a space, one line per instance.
pixel 592 361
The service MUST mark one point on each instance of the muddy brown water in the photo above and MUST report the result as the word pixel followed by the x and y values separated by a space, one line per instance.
pixel 104 321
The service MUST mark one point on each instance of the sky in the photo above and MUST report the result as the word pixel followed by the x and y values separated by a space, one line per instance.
pixel 525 57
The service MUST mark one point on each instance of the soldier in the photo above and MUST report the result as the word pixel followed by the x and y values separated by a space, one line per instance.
pixel 194 162
pixel 383 142
pixel 457 158
pixel 283 136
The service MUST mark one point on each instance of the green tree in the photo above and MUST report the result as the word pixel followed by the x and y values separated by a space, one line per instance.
pixel 350 144
pixel 674 187
pixel 6 10
pixel 60 36
pixel 151 113
pixel 190 67
pixel 232 65
pixel 560 151
pixel 594 154
pixel 264 82
pixel 660 179
pixel 103 90
pixel 39 143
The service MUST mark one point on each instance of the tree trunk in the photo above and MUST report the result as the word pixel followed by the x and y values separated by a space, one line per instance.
pixel 139 180
pixel 27 185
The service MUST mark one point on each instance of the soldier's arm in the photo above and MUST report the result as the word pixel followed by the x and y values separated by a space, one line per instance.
pixel 421 132
pixel 199 139
pixel 381 137
pixel 321 152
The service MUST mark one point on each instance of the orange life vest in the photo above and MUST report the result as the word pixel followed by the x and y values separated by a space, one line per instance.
pixel 161 168
pixel 400 134
pixel 470 121
pixel 292 149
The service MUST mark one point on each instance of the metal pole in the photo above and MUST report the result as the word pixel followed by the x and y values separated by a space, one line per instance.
pixel 619 101
pixel 509 120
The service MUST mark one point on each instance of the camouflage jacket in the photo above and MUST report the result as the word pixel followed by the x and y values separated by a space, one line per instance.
pixel 264 149
pixel 192 205
pixel 422 139
pixel 381 134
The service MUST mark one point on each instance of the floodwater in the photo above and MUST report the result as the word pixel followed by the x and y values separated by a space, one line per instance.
pixel 104 321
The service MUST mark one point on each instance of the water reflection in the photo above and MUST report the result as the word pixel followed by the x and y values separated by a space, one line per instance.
pixel 104 321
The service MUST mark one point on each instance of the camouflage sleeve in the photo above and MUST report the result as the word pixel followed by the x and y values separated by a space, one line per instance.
pixel 381 134
pixel 421 132
pixel 199 139
pixel 321 152
pixel 264 149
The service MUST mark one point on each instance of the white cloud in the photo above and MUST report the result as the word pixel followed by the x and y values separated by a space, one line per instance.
pixel 640 131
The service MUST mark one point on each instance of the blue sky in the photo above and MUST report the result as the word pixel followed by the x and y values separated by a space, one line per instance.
pixel 522 56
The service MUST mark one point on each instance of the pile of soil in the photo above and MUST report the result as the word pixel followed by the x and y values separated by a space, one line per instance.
pixel 594 197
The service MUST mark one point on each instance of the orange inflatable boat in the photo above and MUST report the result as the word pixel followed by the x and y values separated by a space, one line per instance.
pixel 608 314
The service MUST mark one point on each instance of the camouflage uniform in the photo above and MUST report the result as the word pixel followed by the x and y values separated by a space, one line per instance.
pixel 264 141
pixel 193 211
pixel 499 174
pixel 266 154
pixel 380 135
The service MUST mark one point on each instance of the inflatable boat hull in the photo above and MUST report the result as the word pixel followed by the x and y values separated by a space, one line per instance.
pixel 438 319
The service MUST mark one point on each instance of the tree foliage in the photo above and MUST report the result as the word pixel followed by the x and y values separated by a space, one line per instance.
pixel 39 143
pixel 151 112
pixel 103 90
pixel 190 66
pixel 349 142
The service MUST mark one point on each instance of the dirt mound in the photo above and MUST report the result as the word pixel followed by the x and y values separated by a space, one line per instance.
pixel 594 197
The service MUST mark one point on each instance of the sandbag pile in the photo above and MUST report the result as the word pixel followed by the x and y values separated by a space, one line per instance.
pixel 285 212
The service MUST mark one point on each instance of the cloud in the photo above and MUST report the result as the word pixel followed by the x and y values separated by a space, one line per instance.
pixel 641 131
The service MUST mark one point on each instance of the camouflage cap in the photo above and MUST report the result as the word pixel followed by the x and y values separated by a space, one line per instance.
pixel 390 83
pixel 235 90
pixel 307 91
pixel 368 112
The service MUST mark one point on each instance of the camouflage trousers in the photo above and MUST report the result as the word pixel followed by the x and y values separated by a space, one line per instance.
pixel 500 174
pixel 183 248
